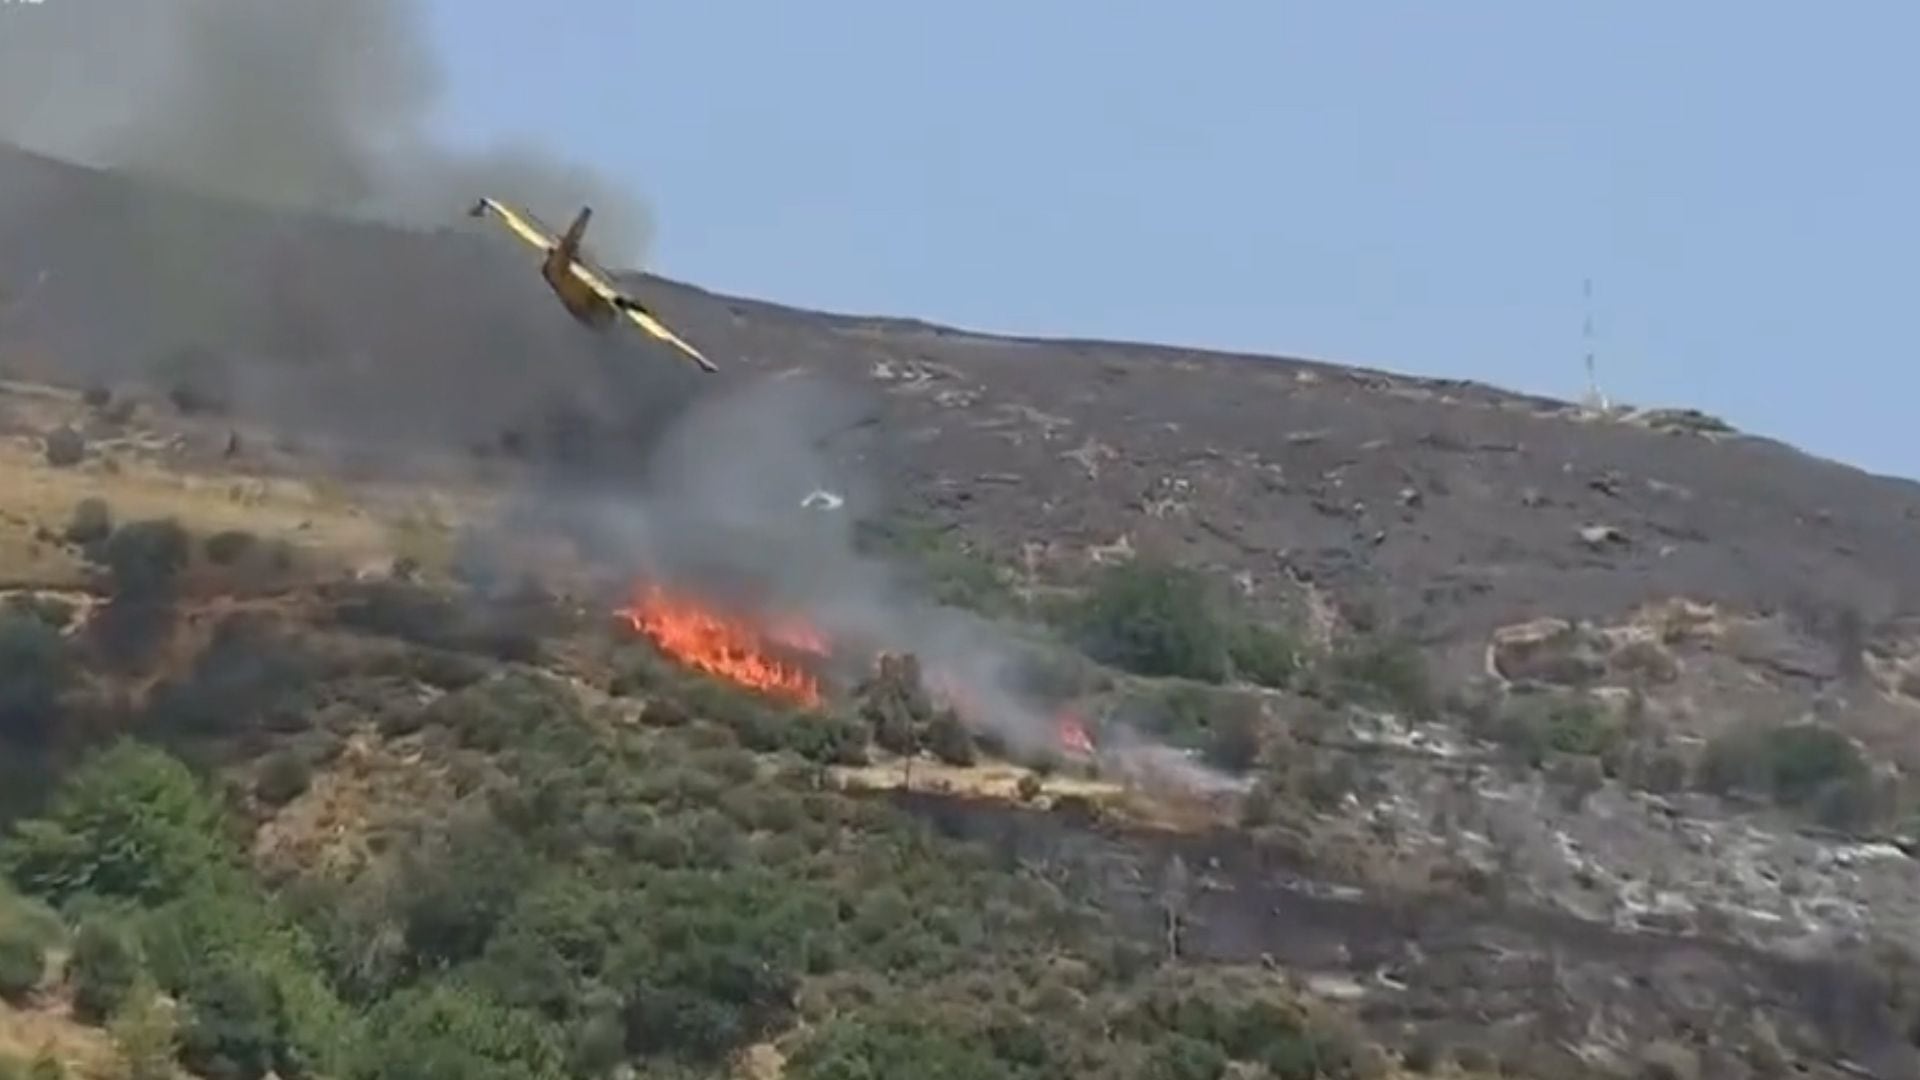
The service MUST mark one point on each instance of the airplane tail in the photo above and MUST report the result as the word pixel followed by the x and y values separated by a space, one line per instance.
pixel 570 243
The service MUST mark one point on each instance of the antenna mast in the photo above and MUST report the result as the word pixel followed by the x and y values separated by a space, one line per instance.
pixel 1594 398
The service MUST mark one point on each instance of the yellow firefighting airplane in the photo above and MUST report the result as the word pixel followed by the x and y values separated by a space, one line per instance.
pixel 587 291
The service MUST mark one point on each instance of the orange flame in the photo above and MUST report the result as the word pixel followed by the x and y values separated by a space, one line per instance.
pixel 1070 731
pixel 1073 732
pixel 718 644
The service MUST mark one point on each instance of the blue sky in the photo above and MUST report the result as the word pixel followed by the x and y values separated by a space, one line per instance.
pixel 1417 186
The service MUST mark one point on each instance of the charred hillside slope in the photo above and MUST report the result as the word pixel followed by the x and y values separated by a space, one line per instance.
pixel 1446 506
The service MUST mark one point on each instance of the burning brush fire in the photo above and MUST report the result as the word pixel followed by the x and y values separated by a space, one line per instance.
pixel 732 648
pixel 778 657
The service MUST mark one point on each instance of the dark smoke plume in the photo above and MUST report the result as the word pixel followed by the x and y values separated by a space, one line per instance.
pixel 269 120
pixel 301 104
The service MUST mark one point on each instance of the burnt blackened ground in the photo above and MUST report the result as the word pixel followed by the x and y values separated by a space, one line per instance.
pixel 1449 506
pixel 1556 993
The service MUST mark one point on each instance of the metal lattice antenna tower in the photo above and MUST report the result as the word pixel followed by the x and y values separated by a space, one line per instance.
pixel 1594 398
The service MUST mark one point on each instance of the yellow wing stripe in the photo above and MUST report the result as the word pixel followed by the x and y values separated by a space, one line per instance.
pixel 659 330
pixel 642 318
pixel 522 227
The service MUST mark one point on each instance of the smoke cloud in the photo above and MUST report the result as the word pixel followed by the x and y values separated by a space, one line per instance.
pixel 320 105
pixel 721 511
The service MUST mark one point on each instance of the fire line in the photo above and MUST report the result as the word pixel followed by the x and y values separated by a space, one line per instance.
pixel 728 647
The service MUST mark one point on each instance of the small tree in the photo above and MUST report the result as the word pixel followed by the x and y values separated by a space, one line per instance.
pixel 91 524
pixel 146 556
pixel 65 447
pixel 1152 619
pixel 236 1023
pixel 950 740
pixel 129 823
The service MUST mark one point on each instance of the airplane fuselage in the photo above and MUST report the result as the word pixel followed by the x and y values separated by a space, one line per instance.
pixel 580 300
pixel 592 296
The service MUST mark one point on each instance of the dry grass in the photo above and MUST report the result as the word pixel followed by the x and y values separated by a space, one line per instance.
pixel 87 1052
pixel 143 472
pixel 331 827
pixel 986 780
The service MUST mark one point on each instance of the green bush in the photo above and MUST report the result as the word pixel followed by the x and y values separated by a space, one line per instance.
pixel 828 739
pixel 129 823
pixel 105 969
pixel 1535 726
pixel 1152 619
pixel 949 739
pixel 249 674
pixel 65 447
pixel 1384 671
pixel 457 888
pixel 444 1032
pixel 236 1023
pixel 1796 765
pixel 229 547
pixel 23 962
pixel 1265 655
pixel 146 556
pixel 36 668
pixel 855 1049
pixel 91 524
pixel 283 778
pixel 147 1035
pixel 1182 1058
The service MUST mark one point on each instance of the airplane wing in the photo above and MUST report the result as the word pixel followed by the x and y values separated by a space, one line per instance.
pixel 641 317
pixel 528 229
pixel 522 225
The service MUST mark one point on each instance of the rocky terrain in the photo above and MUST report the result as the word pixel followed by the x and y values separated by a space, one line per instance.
pixel 1634 627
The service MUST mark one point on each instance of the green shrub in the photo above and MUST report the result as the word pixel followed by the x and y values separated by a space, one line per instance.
pixel 229 547
pixel 284 777
pixel 1534 726
pixel 147 1036
pixel 950 740
pixel 236 1023
pixel 1384 671
pixel 36 668
pixel 444 1031
pixel 65 447
pixel 890 1046
pixel 105 969
pixel 129 823
pixel 1264 655
pixel 23 962
pixel 828 739
pixel 1179 1057
pixel 91 524
pixel 1794 764
pixel 146 556
pixel 1152 619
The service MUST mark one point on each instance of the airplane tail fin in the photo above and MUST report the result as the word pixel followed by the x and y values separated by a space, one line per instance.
pixel 570 243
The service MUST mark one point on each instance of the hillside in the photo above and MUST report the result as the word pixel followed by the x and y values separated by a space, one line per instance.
pixel 1519 734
